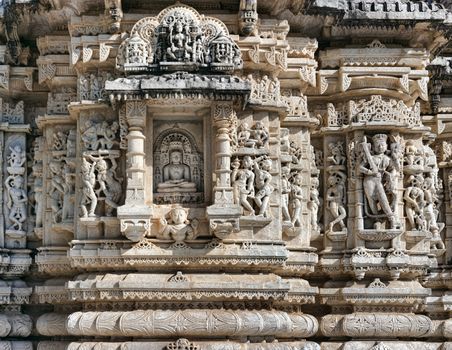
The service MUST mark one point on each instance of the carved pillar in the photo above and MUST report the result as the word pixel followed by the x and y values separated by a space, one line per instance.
pixel 135 215
pixel 223 219
pixel 15 206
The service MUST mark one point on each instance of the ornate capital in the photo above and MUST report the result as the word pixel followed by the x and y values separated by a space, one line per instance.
pixel 223 114
pixel 136 113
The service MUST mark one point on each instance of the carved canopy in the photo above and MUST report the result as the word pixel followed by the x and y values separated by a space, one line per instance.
pixel 179 39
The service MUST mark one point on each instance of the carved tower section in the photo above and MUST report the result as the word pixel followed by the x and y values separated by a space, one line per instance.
pixel 211 178
pixel 186 148
pixel 382 188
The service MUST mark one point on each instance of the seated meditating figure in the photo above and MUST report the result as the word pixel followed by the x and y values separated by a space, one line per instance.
pixel 176 176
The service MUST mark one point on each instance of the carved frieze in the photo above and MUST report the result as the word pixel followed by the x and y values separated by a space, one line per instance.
pixel 185 180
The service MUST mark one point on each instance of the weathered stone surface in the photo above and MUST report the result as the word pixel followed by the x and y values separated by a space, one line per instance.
pixel 243 175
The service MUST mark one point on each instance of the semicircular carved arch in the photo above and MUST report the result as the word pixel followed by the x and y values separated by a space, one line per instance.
pixel 179 39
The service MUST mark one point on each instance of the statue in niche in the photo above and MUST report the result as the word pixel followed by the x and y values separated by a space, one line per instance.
pixel 17 158
pixel 176 175
pixel 314 203
pixel 244 137
pixel 337 156
pixel 89 135
pixel 265 189
pixel 296 199
pixel 379 172
pixel 95 88
pixel 92 131
pixel 179 40
pixel 67 212
pixel 261 134
pixel 257 137
pixel 108 133
pixel 59 141
pixel 178 227
pixel 178 167
pixel 17 200
pixel 412 155
pixel 335 199
pixel 414 203
pixel 295 152
pixel 109 183
pixel 57 191
pixel 84 87
pixel 71 143
pixel 430 162
pixel 243 183
pixel 431 213
pixel 89 198
pixel 285 193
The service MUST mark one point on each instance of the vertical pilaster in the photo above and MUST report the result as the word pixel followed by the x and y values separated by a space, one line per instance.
pixel 135 215
pixel 223 117
pixel 223 219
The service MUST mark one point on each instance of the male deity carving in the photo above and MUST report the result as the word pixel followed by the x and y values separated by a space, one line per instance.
pixel 178 227
pixel 379 172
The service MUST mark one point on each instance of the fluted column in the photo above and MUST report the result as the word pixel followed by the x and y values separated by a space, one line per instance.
pixel 135 215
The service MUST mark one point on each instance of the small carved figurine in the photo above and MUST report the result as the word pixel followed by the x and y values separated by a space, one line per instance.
pixel 178 227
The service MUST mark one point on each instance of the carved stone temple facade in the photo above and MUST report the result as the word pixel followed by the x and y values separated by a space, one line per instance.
pixel 226 175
